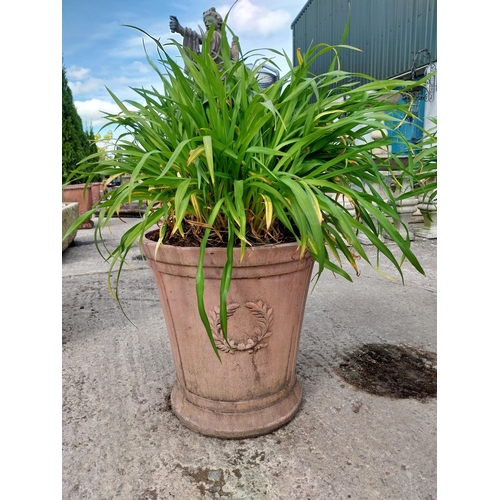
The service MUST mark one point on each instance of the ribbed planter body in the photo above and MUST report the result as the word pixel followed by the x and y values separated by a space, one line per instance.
pixel 76 193
pixel 254 390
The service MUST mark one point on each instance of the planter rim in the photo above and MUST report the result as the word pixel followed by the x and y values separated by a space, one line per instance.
pixel 76 186
pixel 216 256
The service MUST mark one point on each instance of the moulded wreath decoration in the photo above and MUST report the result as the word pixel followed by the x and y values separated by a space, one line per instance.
pixel 260 310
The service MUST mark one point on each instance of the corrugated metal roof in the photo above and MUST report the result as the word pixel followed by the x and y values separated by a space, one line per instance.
pixel 389 32
pixel 301 12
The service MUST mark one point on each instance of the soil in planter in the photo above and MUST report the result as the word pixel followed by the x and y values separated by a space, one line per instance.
pixel 193 234
pixel 392 371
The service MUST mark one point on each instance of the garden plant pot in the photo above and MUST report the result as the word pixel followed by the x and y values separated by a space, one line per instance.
pixel 429 213
pixel 253 390
pixel 69 215
pixel 405 209
pixel 76 193
pixel 97 189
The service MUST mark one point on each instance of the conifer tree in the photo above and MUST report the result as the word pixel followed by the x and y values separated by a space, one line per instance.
pixel 77 143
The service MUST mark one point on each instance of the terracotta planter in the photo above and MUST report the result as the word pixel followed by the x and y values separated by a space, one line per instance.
pixel 97 189
pixel 254 390
pixel 76 193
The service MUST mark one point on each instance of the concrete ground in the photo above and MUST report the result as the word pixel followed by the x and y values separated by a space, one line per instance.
pixel 122 441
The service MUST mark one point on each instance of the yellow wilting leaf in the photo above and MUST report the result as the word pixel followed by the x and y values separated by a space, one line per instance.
pixel 207 141
pixel 338 59
pixel 196 207
pixel 207 149
pixel 194 153
pixel 317 209
pixel 300 59
pixel 112 177
pixel 269 210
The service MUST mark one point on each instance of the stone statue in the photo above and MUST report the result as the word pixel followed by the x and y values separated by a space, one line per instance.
pixel 192 40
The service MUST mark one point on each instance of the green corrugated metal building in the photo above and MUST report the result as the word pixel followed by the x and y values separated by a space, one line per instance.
pixel 392 34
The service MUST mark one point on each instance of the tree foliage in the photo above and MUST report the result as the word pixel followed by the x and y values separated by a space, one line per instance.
pixel 77 143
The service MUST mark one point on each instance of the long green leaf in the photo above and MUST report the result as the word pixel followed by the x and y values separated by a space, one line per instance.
pixel 200 279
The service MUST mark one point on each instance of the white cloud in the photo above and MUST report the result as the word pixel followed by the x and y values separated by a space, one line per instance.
pixel 247 18
pixel 136 67
pixel 81 82
pixel 91 111
pixel 85 87
pixel 132 47
pixel 77 73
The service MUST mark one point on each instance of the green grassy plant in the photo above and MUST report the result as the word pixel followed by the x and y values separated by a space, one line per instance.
pixel 214 156
pixel 423 166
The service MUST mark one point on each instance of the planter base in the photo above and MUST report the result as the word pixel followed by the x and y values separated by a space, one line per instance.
pixel 89 224
pixel 236 425
pixel 429 229
pixel 429 212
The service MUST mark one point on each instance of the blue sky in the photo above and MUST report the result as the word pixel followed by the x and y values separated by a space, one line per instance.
pixel 99 52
